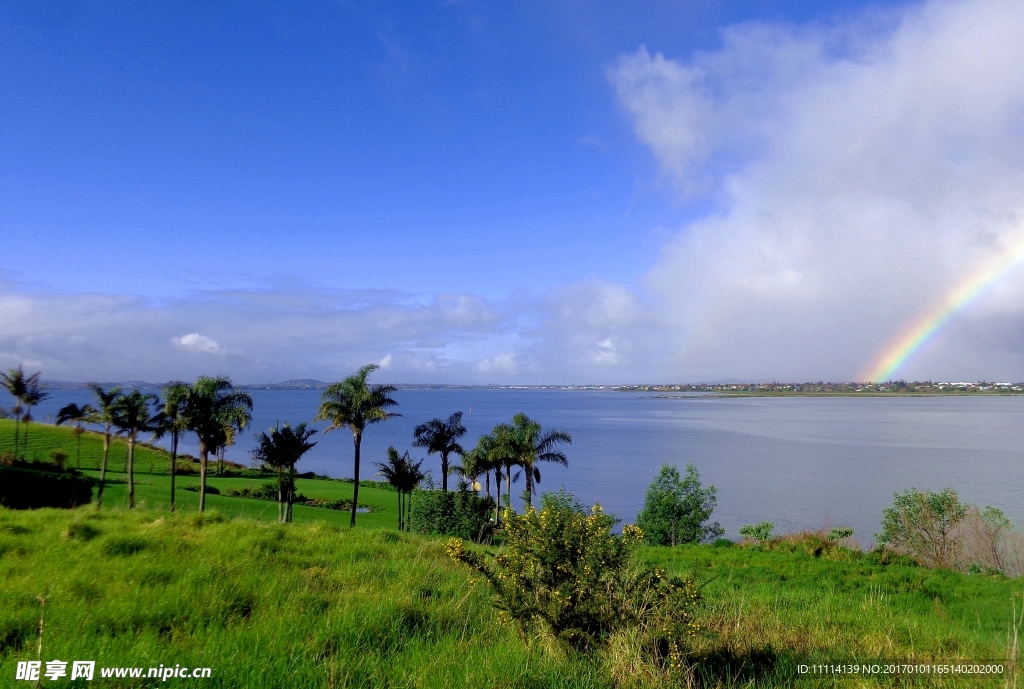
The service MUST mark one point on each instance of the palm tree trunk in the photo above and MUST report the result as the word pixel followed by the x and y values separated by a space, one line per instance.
pixel 497 493
pixel 529 485
pixel 508 488
pixel 174 463
pixel 204 456
pixel 356 439
pixel 399 510
pixel 17 427
pixel 280 496
pixel 131 472
pixel 103 467
pixel 444 472
pixel 291 491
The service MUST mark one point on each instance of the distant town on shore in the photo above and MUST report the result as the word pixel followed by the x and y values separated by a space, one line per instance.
pixel 899 387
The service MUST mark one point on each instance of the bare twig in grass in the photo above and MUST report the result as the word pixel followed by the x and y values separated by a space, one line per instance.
pixel 39 647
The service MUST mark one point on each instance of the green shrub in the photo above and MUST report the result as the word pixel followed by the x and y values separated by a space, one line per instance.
pixel 921 524
pixel 762 533
pixel 676 509
pixel 210 490
pixel 564 571
pixel 59 457
pixel 840 534
pixel 456 513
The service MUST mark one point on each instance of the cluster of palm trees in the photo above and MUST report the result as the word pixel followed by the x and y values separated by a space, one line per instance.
pixel 513 447
pixel 215 412
pixel 27 393
pixel 209 407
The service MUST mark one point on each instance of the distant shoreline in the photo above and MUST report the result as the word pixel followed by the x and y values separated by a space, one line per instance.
pixel 681 391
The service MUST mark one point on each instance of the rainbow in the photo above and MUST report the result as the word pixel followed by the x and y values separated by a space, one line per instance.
pixel 926 327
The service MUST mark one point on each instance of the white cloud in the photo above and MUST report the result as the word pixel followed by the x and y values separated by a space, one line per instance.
pixel 860 172
pixel 385 363
pixel 198 343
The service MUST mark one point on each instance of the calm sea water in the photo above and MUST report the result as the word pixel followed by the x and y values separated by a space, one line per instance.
pixel 797 462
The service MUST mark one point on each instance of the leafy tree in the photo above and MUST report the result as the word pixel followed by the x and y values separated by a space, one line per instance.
pixel 17 384
pixel 77 415
pixel 33 396
pixel 921 524
pixel 676 509
pixel 281 450
pixel 134 413
pixel 441 436
pixel 564 570
pixel 354 404
pixel 207 407
pixel 522 444
pixel 404 476
pixel 171 422
pixel 105 405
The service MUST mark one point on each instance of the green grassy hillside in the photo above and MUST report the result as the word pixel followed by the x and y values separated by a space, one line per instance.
pixel 315 605
pixel 153 482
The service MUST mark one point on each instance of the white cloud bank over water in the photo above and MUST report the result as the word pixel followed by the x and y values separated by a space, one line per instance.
pixel 861 170
pixel 857 169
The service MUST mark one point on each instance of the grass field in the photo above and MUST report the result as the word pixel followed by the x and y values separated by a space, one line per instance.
pixel 316 604
pixel 152 482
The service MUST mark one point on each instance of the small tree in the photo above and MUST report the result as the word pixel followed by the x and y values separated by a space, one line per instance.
pixel 132 414
pixel 105 405
pixel 355 404
pixel 77 415
pixel 921 524
pixel 33 396
pixel 441 436
pixel 404 475
pixel 676 509
pixel 281 450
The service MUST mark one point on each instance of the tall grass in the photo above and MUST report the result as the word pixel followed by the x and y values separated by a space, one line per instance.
pixel 315 605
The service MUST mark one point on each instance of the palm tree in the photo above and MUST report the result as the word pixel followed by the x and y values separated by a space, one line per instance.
pixel 354 404
pixel 135 413
pixel 17 383
pixel 282 449
pixel 440 436
pixel 77 415
pixel 206 408
pixel 404 476
pixel 33 396
pixel 522 444
pixel 473 464
pixel 170 422
pixel 105 400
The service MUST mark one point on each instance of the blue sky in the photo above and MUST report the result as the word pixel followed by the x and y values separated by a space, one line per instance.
pixel 443 187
